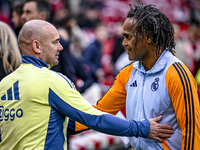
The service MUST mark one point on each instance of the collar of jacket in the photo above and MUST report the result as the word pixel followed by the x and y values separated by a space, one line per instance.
pixel 26 59
pixel 159 65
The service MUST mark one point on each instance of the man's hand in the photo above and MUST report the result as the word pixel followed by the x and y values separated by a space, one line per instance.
pixel 159 131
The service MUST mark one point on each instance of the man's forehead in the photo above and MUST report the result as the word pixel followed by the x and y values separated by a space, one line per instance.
pixel 130 21
pixel 51 30
pixel 128 24
pixel 30 5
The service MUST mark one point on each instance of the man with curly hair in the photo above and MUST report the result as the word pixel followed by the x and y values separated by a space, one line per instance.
pixel 156 83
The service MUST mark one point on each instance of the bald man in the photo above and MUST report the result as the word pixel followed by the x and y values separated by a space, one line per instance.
pixel 36 103
pixel 40 39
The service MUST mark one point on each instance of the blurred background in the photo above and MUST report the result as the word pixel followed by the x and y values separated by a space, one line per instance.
pixel 81 22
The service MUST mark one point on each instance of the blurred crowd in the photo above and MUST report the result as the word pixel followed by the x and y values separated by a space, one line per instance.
pixel 91 35
pixel 93 31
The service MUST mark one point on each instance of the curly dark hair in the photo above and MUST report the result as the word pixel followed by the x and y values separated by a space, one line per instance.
pixel 154 23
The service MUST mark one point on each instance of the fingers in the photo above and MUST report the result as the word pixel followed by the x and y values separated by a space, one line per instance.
pixel 159 136
pixel 159 139
pixel 164 126
pixel 156 136
pixel 158 131
pixel 157 118
pixel 164 133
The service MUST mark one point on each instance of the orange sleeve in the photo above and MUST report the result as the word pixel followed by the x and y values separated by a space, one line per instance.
pixel 115 98
pixel 182 89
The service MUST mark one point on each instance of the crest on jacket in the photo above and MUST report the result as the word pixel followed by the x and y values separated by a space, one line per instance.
pixel 155 85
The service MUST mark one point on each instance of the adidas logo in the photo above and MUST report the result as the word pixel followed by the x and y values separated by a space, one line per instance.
pixel 10 93
pixel 134 84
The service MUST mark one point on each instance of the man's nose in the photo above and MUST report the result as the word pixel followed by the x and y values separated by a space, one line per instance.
pixel 60 47
pixel 23 16
pixel 124 42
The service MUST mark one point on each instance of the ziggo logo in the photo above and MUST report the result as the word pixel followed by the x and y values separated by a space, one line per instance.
pixel 6 114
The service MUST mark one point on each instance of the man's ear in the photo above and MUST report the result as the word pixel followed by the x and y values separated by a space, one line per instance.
pixel 43 15
pixel 148 37
pixel 36 46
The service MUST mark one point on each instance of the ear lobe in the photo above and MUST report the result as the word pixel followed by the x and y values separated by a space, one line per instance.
pixel 36 46
pixel 148 38
pixel 43 15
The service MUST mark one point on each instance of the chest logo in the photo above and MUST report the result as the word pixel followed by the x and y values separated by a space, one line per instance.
pixel 134 84
pixel 155 85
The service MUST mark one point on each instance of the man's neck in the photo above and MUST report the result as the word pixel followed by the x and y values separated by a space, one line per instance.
pixel 149 62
